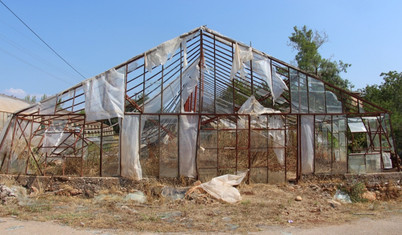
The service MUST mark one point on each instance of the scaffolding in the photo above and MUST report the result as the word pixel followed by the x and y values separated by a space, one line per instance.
pixel 200 105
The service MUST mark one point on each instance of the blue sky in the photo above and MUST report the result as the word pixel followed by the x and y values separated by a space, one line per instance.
pixel 97 35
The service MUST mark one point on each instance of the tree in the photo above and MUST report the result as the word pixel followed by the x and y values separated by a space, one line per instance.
pixel 389 96
pixel 306 43
pixel 30 99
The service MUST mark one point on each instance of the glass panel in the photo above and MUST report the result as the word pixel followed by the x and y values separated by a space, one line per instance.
pixel 356 164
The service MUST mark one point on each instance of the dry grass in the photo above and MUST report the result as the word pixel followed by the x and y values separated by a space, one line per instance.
pixel 262 205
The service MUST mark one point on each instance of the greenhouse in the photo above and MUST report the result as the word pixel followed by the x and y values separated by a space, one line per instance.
pixel 200 105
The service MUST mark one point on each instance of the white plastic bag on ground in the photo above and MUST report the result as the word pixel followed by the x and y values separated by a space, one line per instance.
pixel 221 187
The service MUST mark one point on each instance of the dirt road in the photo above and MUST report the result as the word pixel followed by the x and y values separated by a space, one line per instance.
pixel 366 226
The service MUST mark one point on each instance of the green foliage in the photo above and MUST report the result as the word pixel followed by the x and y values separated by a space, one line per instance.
pixel 306 43
pixel 355 191
pixel 388 95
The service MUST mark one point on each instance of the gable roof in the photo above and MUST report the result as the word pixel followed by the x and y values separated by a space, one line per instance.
pixel 151 74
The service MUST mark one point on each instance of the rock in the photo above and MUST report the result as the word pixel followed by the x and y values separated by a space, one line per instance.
pixel 88 193
pixel 126 208
pixel 226 219
pixel 137 196
pixel 334 204
pixel 75 192
pixel 34 192
pixel 298 198
pixel 371 196
pixel 174 193
pixel 169 215
pixel 232 226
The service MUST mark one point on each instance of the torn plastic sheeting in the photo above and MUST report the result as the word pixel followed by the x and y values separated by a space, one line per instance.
pixel 161 53
pixel 130 150
pixel 307 144
pixel 278 136
pixel 104 96
pixel 188 130
pixel 278 86
pixel 221 187
pixel 54 136
pixel 386 158
pixel 241 55
pixel 172 91
pixel 252 106
pixel 48 106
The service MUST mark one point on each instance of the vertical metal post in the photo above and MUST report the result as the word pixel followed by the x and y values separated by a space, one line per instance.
pixel 314 153
pixel 101 150
pixel 82 150
pixel 217 146
pixel 236 144
pixel 332 143
pixel 290 88
pixel 214 74
pixel 163 68
pixel 286 144
pixel 347 143
pixel 233 86
pixel 248 147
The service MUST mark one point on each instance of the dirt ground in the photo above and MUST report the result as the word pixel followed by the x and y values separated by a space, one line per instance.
pixel 263 208
pixel 364 226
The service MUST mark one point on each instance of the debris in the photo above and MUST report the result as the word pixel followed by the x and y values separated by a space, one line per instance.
pixel 137 196
pixel 14 227
pixel 88 193
pixel 174 193
pixel 34 192
pixel 232 226
pixel 168 215
pixel 227 219
pixel 82 224
pixel 6 195
pixel 221 187
pixel 334 203
pixel 342 197
pixel 298 198
pixel 290 221
pixel 126 208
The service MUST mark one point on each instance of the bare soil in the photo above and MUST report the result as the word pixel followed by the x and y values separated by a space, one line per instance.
pixel 262 207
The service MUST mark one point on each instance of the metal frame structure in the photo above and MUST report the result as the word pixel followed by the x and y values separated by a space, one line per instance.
pixel 93 148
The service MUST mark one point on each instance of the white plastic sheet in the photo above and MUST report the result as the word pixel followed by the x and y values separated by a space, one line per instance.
pixel 252 106
pixel 386 158
pixel 307 144
pixel 221 187
pixel 161 54
pixel 48 106
pixel 241 55
pixel 188 144
pixel 275 122
pixel 278 86
pixel 54 136
pixel 189 80
pixel 130 155
pixel 104 96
